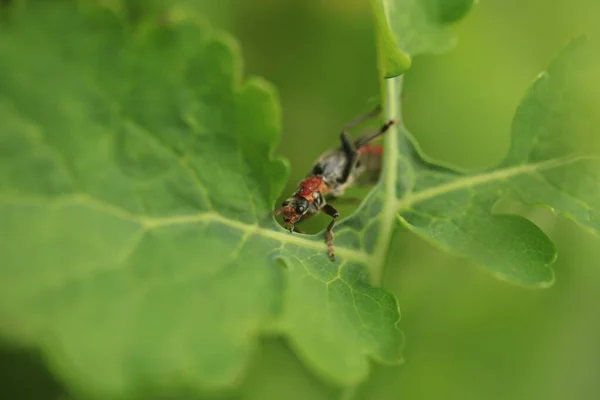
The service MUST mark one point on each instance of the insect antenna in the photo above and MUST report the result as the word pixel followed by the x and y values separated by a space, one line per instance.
pixel 360 142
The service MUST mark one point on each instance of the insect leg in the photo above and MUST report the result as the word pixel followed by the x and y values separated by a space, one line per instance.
pixel 333 213
pixel 351 156
pixel 347 145
pixel 360 142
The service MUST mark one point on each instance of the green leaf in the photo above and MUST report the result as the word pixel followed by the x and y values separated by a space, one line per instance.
pixel 394 61
pixel 406 28
pixel 137 186
pixel 545 166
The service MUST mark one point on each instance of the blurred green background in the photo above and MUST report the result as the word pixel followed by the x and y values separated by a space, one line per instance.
pixel 468 336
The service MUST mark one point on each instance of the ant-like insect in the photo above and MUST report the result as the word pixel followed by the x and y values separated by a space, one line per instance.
pixel 332 173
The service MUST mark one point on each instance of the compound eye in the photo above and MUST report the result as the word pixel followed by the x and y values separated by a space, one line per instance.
pixel 301 206
pixel 285 203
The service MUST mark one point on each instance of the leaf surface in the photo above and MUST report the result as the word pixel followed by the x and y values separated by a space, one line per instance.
pixel 136 196
pixel 546 166
pixel 136 188
pixel 406 28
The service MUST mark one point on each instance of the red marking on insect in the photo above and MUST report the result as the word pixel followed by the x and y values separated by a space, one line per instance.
pixel 371 149
pixel 309 186
pixel 309 191
pixel 331 174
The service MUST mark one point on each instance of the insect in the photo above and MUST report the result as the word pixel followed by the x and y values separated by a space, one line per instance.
pixel 331 174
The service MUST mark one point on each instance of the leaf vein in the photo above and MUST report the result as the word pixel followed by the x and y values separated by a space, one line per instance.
pixel 471 181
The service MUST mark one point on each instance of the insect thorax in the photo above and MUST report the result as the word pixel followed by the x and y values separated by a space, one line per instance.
pixel 331 166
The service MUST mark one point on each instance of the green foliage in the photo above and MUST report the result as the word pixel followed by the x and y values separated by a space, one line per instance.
pixel 137 181
pixel 544 167
pixel 453 209
pixel 394 60
pixel 409 27
pixel 137 191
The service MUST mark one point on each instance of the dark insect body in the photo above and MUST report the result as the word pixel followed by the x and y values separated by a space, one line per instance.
pixel 331 174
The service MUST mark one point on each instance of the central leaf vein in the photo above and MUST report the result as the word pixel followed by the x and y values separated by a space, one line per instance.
pixel 391 207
